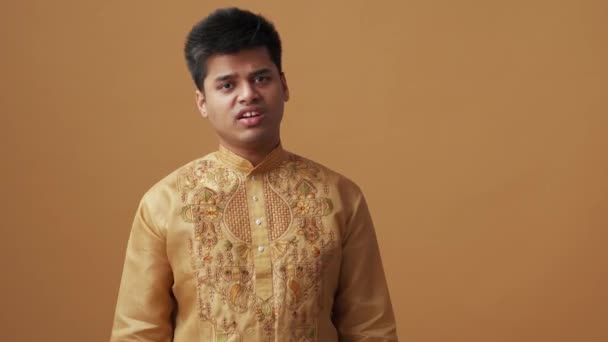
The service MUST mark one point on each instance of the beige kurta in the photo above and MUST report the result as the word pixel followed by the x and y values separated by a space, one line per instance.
pixel 224 251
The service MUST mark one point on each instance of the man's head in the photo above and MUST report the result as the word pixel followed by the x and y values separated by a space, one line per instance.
pixel 228 31
pixel 234 57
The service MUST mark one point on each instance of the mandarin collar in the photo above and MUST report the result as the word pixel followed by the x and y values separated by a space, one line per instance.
pixel 240 164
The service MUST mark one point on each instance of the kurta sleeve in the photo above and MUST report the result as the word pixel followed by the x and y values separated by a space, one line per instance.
pixel 145 303
pixel 362 307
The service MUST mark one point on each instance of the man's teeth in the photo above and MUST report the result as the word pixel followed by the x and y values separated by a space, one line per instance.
pixel 250 114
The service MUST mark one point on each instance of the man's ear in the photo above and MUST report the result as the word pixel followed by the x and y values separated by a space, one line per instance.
pixel 285 87
pixel 201 104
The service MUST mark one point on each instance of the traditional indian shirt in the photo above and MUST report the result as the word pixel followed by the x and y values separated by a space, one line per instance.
pixel 221 250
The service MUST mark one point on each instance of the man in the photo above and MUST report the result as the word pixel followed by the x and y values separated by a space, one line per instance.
pixel 251 242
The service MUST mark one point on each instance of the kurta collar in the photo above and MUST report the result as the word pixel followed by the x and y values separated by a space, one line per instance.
pixel 238 163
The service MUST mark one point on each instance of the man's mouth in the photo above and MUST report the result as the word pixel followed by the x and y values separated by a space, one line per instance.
pixel 251 117
pixel 250 114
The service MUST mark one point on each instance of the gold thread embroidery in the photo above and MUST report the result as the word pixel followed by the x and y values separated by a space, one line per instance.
pixel 277 211
pixel 236 215
pixel 214 199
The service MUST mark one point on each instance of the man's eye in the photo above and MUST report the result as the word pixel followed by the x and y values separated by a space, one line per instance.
pixel 226 86
pixel 261 79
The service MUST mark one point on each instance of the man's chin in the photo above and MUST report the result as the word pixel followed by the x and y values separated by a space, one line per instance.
pixel 255 139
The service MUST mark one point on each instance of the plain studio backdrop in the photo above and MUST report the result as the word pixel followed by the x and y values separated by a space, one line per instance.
pixel 477 129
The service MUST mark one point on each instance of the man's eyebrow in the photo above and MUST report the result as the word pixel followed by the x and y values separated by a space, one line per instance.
pixel 260 72
pixel 224 77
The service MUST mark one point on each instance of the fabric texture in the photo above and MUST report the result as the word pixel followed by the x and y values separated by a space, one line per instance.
pixel 221 250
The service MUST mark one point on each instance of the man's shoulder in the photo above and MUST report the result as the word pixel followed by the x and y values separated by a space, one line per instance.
pixel 182 176
pixel 322 171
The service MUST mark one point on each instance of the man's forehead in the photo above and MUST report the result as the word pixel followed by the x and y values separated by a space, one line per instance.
pixel 242 63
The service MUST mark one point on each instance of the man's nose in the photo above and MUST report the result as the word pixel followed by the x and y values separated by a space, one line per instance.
pixel 248 93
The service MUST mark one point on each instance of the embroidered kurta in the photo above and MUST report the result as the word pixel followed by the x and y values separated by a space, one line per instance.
pixel 221 250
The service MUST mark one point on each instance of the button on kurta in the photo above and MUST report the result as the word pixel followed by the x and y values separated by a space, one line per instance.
pixel 257 209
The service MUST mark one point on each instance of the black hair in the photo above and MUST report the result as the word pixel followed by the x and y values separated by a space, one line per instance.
pixel 227 31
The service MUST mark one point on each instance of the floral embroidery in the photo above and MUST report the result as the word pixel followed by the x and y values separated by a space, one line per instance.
pixel 295 181
pixel 296 199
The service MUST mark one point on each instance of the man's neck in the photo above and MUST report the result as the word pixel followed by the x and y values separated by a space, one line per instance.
pixel 254 155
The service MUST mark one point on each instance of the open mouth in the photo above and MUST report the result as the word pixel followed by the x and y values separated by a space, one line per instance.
pixel 250 114
pixel 251 118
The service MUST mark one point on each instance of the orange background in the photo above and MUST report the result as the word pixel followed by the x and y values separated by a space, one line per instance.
pixel 477 129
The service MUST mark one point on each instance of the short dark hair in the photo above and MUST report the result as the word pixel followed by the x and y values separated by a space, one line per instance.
pixel 227 31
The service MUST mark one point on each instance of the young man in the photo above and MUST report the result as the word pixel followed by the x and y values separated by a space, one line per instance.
pixel 251 242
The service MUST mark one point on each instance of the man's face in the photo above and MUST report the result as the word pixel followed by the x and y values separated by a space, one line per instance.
pixel 243 98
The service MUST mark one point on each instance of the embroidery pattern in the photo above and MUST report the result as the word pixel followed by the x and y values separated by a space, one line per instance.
pixel 295 180
pixel 236 216
pixel 298 262
pixel 296 198
pixel 224 272
pixel 278 213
